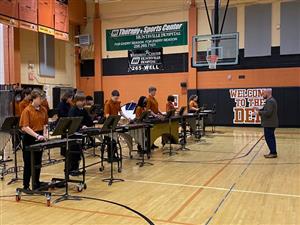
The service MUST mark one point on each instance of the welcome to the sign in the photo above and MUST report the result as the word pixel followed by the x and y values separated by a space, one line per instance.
pixel 245 102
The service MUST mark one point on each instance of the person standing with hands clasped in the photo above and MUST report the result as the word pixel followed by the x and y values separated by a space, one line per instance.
pixel 32 122
pixel 269 120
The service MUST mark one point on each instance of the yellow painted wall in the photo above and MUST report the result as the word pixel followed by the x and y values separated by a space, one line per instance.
pixel 64 62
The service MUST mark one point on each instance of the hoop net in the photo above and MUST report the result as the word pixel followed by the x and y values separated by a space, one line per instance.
pixel 212 61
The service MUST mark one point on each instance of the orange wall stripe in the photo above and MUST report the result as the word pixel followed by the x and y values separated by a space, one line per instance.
pixel 132 87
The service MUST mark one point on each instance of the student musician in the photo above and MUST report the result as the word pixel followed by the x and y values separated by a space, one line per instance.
pixel 45 103
pixel 26 100
pixel 63 109
pixel 65 104
pixel 112 107
pixel 193 104
pixel 78 111
pixel 140 107
pixel 32 122
pixel 170 103
pixel 89 106
pixel 152 104
pixel 89 101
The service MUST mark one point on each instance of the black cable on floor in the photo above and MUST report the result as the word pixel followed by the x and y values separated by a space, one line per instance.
pixel 121 205
pixel 210 161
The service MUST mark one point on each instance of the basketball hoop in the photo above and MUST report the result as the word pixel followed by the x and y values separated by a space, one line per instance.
pixel 212 61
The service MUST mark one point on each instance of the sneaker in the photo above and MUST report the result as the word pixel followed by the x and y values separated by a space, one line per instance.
pixel 270 156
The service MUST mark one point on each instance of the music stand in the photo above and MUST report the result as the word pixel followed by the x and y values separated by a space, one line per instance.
pixel 11 124
pixel 110 126
pixel 169 116
pixel 143 117
pixel 67 126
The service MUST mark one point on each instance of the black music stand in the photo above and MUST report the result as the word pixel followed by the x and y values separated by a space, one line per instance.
pixel 67 126
pixel 183 126
pixel 110 126
pixel 143 117
pixel 11 124
pixel 169 116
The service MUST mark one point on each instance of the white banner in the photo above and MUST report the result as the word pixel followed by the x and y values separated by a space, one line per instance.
pixel 245 102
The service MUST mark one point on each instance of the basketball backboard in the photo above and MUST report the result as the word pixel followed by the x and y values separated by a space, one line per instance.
pixel 219 49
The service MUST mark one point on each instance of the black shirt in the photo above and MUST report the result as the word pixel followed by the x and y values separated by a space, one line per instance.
pixel 76 112
pixel 63 109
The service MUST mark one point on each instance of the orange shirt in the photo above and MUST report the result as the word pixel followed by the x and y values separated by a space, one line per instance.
pixel 17 109
pixel 33 118
pixel 45 104
pixel 169 106
pixel 112 108
pixel 138 112
pixel 22 105
pixel 193 104
pixel 152 104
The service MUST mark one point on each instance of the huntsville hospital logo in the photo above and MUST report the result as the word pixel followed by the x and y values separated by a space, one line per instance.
pixel 245 102
pixel 146 30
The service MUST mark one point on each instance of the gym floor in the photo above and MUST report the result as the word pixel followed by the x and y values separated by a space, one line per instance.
pixel 224 179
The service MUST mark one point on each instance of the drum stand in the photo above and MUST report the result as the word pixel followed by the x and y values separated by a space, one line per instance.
pixel 170 152
pixel 198 129
pixel 183 140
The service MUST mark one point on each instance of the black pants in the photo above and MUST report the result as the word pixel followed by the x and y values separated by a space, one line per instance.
pixel 269 133
pixel 74 153
pixel 29 140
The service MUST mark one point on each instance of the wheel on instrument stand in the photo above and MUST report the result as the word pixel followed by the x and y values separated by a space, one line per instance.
pixel 101 168
pixel 48 202
pixel 18 198
pixel 84 186
pixel 131 157
pixel 119 170
pixel 80 187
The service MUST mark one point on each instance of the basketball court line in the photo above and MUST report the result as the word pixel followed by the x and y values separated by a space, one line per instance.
pixel 196 193
pixel 221 203
pixel 93 212
pixel 216 188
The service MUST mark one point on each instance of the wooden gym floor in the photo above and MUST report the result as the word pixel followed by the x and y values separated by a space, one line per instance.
pixel 224 179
